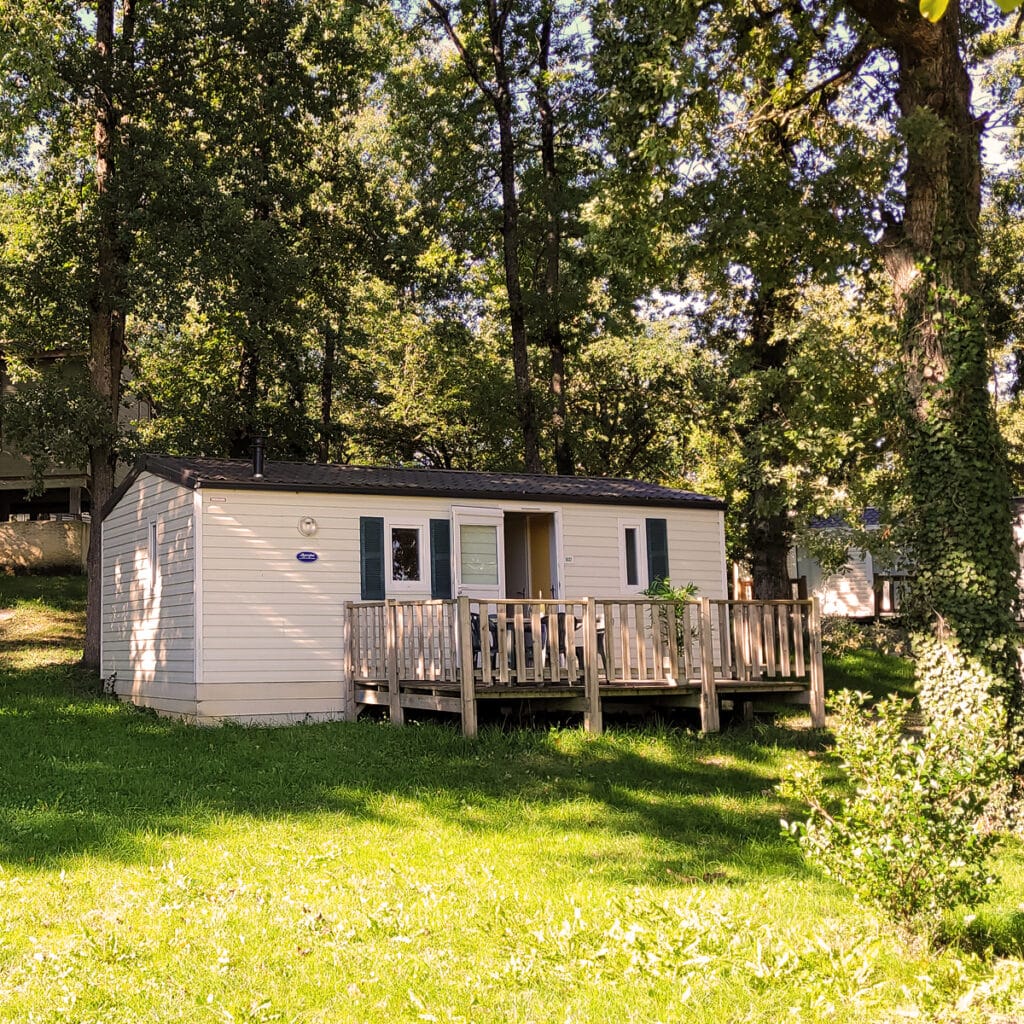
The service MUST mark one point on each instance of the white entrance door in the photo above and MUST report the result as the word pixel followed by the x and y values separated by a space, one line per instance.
pixel 479 542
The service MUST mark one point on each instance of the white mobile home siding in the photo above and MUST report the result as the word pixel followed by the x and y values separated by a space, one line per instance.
pixel 148 620
pixel 271 633
pixel 696 548
pixel 850 592
pixel 1018 539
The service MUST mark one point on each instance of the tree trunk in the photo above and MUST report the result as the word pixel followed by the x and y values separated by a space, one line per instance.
pixel 106 303
pixel 499 95
pixel 966 591
pixel 327 395
pixel 565 462
pixel 771 540
pixel 502 99
pixel 769 533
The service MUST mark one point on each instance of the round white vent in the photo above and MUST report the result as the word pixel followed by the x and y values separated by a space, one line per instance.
pixel 307 526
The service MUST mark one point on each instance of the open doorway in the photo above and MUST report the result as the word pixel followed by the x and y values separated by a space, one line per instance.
pixel 531 568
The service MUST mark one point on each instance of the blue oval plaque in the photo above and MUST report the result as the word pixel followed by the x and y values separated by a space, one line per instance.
pixel 307 556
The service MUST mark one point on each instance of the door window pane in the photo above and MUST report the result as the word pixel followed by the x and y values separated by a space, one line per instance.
pixel 479 552
pixel 405 554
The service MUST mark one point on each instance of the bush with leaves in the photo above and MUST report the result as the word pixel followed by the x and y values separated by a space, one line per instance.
pixel 841 635
pixel 663 590
pixel 908 835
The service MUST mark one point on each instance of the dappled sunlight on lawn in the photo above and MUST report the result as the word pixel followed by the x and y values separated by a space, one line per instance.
pixel 357 872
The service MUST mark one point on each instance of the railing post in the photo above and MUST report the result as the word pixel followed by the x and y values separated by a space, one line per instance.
pixel 349 710
pixel 467 684
pixel 817 694
pixel 709 720
pixel 672 631
pixel 395 712
pixel 592 716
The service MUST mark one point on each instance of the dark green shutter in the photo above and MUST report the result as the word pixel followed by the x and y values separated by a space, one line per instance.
pixel 440 559
pixel 657 550
pixel 371 558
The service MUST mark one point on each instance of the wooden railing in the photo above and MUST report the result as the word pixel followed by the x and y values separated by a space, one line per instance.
pixel 475 648
pixel 762 640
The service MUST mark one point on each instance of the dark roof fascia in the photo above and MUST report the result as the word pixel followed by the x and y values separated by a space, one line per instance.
pixel 188 478
pixel 712 504
pixel 122 488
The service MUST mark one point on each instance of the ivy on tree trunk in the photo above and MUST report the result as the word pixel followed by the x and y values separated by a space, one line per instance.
pixel 966 591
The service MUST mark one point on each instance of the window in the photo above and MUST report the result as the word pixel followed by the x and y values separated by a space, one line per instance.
pixel 406 558
pixel 405 554
pixel 632 558
pixel 154 554
pixel 479 550
pixel 632 564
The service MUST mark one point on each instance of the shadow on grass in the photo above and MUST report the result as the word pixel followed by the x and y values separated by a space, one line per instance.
pixel 94 776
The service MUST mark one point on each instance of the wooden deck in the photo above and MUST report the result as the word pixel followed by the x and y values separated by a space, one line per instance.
pixel 581 654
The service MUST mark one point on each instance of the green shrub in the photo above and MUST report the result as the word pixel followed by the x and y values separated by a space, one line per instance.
pixel 907 837
pixel 841 635
pixel 663 590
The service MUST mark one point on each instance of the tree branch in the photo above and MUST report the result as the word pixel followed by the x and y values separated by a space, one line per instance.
pixel 847 69
pixel 468 61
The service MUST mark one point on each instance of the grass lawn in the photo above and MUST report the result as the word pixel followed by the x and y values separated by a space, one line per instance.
pixel 870 671
pixel 155 872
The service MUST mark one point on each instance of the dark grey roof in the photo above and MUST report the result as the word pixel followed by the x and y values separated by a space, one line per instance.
pixel 869 517
pixel 236 474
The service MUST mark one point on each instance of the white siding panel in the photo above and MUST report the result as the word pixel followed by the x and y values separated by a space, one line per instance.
pixel 847 593
pixel 591 540
pixel 272 626
pixel 148 617
pixel 322 691
pixel 281 711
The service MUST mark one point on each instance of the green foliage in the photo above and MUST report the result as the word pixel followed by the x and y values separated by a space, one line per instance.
pixel 664 590
pixel 909 837
pixel 419 388
pixel 51 415
pixel 227 199
pixel 641 400
pixel 841 635
pixel 812 436
pixel 964 594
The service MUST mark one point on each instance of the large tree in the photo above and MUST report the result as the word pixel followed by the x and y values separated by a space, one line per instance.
pixel 749 196
pixel 879 67
pixel 966 589
pixel 142 169
pixel 513 121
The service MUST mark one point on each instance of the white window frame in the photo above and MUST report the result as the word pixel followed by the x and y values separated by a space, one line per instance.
pixel 391 585
pixel 641 556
